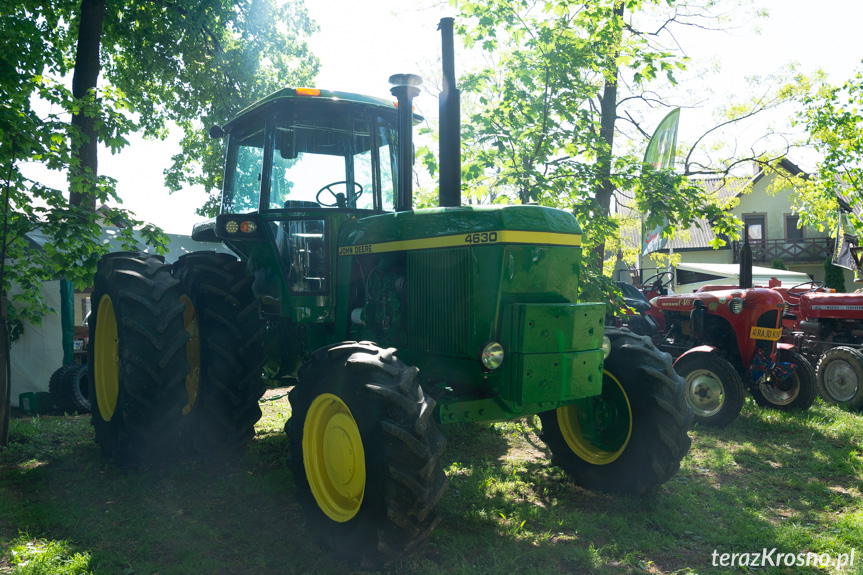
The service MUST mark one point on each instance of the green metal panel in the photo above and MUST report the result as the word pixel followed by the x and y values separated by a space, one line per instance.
pixel 553 351
pixel 554 376
pixel 67 320
pixel 549 328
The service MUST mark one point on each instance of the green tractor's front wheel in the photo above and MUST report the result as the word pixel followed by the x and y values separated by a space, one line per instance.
pixel 137 359
pixel 632 437
pixel 365 453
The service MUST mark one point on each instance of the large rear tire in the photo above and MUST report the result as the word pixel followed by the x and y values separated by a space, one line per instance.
pixel 365 453
pixel 225 350
pixel 714 389
pixel 840 376
pixel 137 359
pixel 797 391
pixel 640 421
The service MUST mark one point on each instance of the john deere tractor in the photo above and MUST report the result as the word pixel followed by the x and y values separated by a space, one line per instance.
pixel 473 311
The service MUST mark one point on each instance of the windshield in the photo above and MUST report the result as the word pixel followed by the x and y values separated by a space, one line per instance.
pixel 243 173
pixel 317 161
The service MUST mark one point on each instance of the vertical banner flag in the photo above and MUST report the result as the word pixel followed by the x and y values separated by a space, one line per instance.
pixel 660 156
pixel 846 239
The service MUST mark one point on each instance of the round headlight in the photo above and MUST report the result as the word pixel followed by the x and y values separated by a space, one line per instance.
pixel 231 227
pixel 736 305
pixel 492 355
pixel 606 347
pixel 248 227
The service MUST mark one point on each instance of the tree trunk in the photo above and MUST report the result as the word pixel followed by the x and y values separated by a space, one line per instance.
pixel 608 109
pixel 84 79
pixel 5 370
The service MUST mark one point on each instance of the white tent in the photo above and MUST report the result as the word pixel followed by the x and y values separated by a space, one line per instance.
pixel 689 276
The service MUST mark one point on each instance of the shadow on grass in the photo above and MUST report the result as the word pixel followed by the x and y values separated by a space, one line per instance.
pixel 507 510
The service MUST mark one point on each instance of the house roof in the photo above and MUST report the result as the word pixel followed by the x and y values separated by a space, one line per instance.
pixel 700 233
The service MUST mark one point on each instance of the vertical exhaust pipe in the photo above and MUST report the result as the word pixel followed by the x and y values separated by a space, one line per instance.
pixel 745 261
pixel 405 87
pixel 450 123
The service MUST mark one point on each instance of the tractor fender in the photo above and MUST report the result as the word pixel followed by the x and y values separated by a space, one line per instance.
pixel 697 349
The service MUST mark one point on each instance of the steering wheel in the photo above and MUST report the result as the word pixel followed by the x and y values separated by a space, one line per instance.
pixel 813 286
pixel 338 201
pixel 658 278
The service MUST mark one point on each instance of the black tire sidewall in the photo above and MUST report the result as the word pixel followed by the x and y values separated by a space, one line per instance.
pixel 804 382
pixel 660 418
pixel 854 359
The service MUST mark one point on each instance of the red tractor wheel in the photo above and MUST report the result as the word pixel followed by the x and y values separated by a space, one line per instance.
pixel 797 391
pixel 840 376
pixel 714 389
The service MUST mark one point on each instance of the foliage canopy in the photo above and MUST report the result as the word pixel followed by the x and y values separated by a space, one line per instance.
pixel 562 110
pixel 190 63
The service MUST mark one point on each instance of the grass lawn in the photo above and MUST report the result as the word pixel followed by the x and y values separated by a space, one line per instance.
pixel 770 480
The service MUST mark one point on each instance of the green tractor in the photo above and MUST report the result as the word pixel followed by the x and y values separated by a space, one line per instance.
pixel 473 311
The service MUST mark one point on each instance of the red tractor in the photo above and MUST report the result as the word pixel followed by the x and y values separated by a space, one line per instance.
pixel 827 328
pixel 722 338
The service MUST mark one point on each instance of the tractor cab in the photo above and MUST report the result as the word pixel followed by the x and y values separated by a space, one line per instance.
pixel 299 164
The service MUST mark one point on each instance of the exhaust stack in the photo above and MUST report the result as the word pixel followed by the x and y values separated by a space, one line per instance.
pixel 405 87
pixel 450 123
pixel 746 261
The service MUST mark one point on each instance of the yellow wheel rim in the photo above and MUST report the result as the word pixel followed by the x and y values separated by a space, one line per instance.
pixel 106 359
pixel 193 352
pixel 334 458
pixel 612 416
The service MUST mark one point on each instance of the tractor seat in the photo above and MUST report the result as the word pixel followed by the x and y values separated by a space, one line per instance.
pixel 633 297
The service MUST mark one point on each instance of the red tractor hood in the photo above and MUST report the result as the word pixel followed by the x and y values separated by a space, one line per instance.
pixel 831 305
pixel 717 301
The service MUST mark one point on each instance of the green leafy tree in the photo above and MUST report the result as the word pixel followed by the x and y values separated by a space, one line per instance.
pixel 557 114
pixel 834 277
pixel 833 118
pixel 193 64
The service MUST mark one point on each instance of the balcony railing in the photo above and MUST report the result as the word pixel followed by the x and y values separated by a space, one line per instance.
pixel 797 251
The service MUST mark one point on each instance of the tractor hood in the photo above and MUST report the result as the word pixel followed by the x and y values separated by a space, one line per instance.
pixel 831 305
pixel 720 301
pixel 462 226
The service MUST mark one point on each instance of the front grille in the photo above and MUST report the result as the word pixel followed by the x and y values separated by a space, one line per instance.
pixel 439 300
pixel 767 319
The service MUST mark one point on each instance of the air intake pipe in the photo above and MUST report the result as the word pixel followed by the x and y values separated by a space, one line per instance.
pixel 405 87
pixel 450 123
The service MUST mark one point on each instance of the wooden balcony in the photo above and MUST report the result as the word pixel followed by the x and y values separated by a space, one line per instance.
pixel 808 250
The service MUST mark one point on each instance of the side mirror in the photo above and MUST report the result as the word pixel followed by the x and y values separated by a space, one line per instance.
pixel 286 143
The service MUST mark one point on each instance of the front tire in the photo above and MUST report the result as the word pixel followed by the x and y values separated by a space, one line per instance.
pixel 225 351
pixel 365 453
pixel 640 422
pixel 137 363
pixel 714 389
pixel 840 376
pixel 797 391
